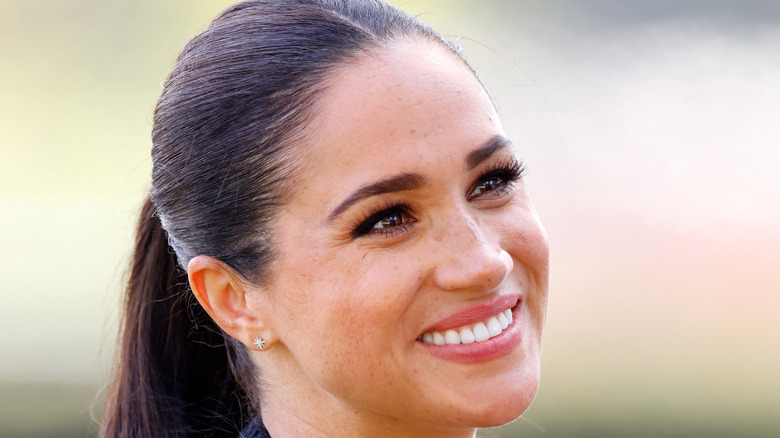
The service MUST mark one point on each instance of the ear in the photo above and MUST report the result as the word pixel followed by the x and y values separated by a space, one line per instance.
pixel 222 293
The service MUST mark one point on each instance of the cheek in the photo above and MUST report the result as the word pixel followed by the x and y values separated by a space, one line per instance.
pixel 369 303
pixel 526 241
pixel 352 313
pixel 522 235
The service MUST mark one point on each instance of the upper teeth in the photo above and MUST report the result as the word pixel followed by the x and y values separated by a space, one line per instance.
pixel 481 331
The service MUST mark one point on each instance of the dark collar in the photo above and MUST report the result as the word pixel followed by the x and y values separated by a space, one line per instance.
pixel 255 429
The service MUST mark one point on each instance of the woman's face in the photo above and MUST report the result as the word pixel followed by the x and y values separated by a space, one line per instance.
pixel 409 226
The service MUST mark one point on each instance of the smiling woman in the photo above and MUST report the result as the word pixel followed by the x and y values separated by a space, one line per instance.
pixel 353 250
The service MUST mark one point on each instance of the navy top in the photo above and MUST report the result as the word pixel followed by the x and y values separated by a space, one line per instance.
pixel 255 429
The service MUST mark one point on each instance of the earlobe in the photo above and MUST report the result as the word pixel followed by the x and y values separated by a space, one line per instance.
pixel 259 343
pixel 222 293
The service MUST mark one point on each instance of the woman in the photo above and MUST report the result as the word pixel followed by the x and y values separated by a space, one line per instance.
pixel 338 240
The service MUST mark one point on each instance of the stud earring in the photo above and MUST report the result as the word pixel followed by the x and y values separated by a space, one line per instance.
pixel 259 343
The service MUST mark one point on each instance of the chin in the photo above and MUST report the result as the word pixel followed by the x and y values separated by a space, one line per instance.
pixel 506 409
pixel 502 405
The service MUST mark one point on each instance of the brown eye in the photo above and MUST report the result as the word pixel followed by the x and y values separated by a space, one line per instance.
pixel 387 222
pixel 494 186
pixel 497 182
pixel 489 185
pixel 390 221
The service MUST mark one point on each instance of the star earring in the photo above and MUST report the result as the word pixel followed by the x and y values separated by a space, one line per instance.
pixel 259 343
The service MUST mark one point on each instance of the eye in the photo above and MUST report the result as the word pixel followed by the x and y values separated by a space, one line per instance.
pixel 387 222
pixel 390 221
pixel 496 182
pixel 488 185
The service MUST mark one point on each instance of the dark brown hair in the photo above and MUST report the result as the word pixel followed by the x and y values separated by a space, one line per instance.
pixel 224 137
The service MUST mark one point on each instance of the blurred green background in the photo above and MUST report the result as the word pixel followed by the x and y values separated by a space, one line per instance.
pixel 652 134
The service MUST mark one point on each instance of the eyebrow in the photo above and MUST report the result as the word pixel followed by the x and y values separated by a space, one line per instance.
pixel 477 156
pixel 398 183
pixel 412 181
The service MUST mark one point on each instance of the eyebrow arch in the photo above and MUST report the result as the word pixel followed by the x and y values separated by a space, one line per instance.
pixel 398 183
pixel 411 181
pixel 477 156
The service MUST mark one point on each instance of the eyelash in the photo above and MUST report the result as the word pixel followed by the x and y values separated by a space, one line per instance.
pixel 366 225
pixel 509 171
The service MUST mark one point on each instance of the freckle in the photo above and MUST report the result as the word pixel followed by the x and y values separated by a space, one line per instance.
pixel 412 131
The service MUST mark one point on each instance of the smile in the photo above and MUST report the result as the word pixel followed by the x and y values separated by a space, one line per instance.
pixel 467 334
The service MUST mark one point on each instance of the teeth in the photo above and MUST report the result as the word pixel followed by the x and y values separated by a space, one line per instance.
pixel 481 331
pixel 467 336
pixel 503 321
pixel 451 337
pixel 493 327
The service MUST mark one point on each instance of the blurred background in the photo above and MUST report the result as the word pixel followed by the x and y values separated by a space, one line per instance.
pixel 652 135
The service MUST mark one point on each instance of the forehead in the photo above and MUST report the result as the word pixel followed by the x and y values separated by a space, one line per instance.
pixel 396 108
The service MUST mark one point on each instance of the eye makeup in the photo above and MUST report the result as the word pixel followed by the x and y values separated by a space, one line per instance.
pixel 497 180
pixel 390 219
pixel 385 221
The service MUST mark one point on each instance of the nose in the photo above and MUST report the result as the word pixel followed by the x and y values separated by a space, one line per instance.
pixel 470 261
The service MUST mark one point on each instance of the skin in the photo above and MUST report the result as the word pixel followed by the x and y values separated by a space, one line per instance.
pixel 341 315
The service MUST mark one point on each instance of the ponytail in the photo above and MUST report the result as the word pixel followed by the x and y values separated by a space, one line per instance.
pixel 226 135
pixel 174 373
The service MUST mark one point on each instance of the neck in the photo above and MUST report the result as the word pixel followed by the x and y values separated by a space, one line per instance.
pixel 282 422
pixel 294 406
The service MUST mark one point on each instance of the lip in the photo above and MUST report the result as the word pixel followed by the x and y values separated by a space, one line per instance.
pixel 484 351
pixel 474 314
